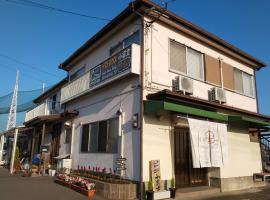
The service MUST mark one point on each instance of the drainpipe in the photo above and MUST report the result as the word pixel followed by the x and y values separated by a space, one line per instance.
pixel 72 143
pixel 141 109
pixel 14 150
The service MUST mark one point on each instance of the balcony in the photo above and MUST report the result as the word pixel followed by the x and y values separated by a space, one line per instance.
pixel 126 62
pixel 43 109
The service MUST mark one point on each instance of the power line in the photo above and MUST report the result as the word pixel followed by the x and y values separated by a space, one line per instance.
pixel 47 7
pixel 30 76
pixel 27 65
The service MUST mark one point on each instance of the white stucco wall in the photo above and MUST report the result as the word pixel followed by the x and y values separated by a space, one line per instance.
pixel 104 104
pixel 158 145
pixel 102 52
pixel 159 77
pixel 244 156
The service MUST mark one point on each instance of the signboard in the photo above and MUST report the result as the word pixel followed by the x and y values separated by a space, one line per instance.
pixel 155 174
pixel 111 68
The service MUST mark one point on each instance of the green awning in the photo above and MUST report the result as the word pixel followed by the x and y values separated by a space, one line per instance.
pixel 251 121
pixel 152 106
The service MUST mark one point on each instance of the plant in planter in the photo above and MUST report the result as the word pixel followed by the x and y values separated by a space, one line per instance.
pixel 17 165
pixel 150 191
pixel 172 188
pixel 52 170
pixel 91 187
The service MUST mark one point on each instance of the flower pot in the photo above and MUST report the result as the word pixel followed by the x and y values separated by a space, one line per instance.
pixel 53 171
pixel 91 194
pixel 149 195
pixel 172 193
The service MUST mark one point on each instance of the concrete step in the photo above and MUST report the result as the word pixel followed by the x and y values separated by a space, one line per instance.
pixel 195 192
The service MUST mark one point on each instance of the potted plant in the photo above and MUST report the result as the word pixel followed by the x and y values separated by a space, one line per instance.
pixel 150 191
pixel 52 170
pixel 172 188
pixel 91 190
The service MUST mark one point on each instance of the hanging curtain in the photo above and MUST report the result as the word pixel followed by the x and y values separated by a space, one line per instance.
pixel 209 143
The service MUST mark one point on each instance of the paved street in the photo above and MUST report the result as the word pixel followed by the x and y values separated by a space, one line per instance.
pixel 16 187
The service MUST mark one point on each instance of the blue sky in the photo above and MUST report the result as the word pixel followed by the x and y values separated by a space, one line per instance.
pixel 43 39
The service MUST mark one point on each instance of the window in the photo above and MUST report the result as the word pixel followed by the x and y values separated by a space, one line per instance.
pixel 243 83
pixel 178 57
pixel 100 136
pixel 186 60
pixel 194 64
pixel 248 84
pixel 134 38
pixel 77 74
pixel 67 135
pixel 238 81
pixel 54 101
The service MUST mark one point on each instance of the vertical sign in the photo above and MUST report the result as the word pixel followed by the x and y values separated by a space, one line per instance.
pixel 155 174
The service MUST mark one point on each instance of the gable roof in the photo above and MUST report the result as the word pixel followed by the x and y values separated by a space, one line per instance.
pixel 145 4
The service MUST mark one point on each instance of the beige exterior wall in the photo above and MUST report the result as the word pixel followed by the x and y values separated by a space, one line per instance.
pixel 158 75
pixel 244 156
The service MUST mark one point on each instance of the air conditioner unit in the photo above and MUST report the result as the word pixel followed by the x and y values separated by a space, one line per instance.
pixel 217 95
pixel 182 84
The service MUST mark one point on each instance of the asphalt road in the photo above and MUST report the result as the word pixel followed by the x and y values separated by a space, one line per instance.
pixel 15 187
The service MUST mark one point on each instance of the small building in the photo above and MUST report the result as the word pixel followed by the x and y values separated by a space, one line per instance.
pixel 152 87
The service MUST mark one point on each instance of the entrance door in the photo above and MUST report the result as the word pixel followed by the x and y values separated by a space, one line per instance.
pixel 55 144
pixel 185 174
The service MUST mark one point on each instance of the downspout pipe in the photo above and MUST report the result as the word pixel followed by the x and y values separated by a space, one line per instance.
pixel 141 109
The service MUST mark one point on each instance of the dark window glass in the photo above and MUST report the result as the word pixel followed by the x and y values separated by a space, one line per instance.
pixel 77 74
pixel 113 135
pixel 67 135
pixel 94 137
pixel 54 101
pixel 102 136
pixel 85 138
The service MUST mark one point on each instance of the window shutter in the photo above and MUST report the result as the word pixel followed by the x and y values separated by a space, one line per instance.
pixel 228 76
pixel 212 70
pixel 93 137
pixel 177 57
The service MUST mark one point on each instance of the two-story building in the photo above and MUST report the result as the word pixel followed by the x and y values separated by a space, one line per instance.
pixel 151 86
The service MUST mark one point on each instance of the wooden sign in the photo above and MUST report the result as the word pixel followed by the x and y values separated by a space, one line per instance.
pixel 155 174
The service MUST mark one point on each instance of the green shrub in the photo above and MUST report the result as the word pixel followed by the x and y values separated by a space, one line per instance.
pixel 17 155
pixel 150 185
pixel 173 182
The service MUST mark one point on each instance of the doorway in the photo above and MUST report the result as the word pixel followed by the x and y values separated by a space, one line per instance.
pixel 185 174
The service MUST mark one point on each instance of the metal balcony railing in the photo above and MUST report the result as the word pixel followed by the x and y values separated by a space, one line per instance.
pixel 122 63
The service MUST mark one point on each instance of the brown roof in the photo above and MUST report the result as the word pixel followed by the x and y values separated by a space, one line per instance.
pixel 173 17
pixel 166 95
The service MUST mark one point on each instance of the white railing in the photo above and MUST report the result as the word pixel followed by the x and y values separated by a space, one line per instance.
pixel 123 63
pixel 75 88
pixel 46 108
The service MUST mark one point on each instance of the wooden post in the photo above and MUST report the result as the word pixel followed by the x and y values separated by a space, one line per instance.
pixel 42 142
pixel 14 150
pixel 33 146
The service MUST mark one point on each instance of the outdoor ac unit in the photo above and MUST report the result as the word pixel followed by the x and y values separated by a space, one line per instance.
pixel 217 95
pixel 182 84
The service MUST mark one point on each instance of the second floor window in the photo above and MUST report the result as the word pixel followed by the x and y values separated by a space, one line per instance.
pixel 133 38
pixel 186 60
pixel 243 83
pixel 100 137
pixel 77 74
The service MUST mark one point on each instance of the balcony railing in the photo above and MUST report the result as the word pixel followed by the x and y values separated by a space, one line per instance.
pixel 121 64
pixel 46 108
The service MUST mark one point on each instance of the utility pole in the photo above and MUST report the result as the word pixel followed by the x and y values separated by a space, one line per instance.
pixel 13 107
